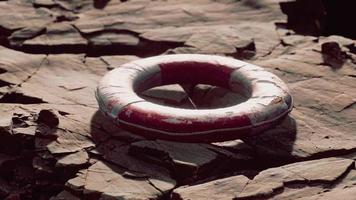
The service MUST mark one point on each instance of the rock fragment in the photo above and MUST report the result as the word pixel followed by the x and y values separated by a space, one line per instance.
pixel 48 117
pixel 118 153
pixel 79 158
pixel 189 161
pixel 333 55
pixel 104 180
pixel 18 37
pixel 76 184
pixel 226 188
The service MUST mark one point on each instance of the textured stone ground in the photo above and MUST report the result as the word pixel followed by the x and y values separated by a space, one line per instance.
pixel 56 145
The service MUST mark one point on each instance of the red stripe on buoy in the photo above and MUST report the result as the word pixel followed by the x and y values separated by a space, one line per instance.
pixel 181 124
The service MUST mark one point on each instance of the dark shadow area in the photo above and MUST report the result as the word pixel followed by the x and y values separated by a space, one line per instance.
pixel 144 48
pixel 321 17
pixel 4 34
pixel 273 147
pixel 4 83
pixel 27 170
pixel 100 4
pixel 245 53
pixel 2 70
pixel 20 98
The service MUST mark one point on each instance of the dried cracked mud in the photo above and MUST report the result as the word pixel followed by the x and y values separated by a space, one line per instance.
pixel 56 145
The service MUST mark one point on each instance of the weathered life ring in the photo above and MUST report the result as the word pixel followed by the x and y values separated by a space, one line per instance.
pixel 269 99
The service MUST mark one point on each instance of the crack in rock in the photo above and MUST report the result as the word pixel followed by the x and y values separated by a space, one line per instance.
pixel 269 182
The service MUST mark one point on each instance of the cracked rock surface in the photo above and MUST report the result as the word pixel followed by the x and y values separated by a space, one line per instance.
pixel 55 144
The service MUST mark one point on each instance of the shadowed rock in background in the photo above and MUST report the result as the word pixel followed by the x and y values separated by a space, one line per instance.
pixel 321 17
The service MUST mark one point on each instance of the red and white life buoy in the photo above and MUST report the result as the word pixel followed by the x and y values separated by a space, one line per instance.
pixel 269 100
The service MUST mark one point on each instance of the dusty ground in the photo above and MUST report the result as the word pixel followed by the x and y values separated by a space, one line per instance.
pixel 53 52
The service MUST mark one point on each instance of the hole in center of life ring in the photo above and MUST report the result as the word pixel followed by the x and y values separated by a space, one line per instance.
pixel 199 96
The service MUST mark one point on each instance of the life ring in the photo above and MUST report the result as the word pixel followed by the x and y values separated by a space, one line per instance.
pixel 269 99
